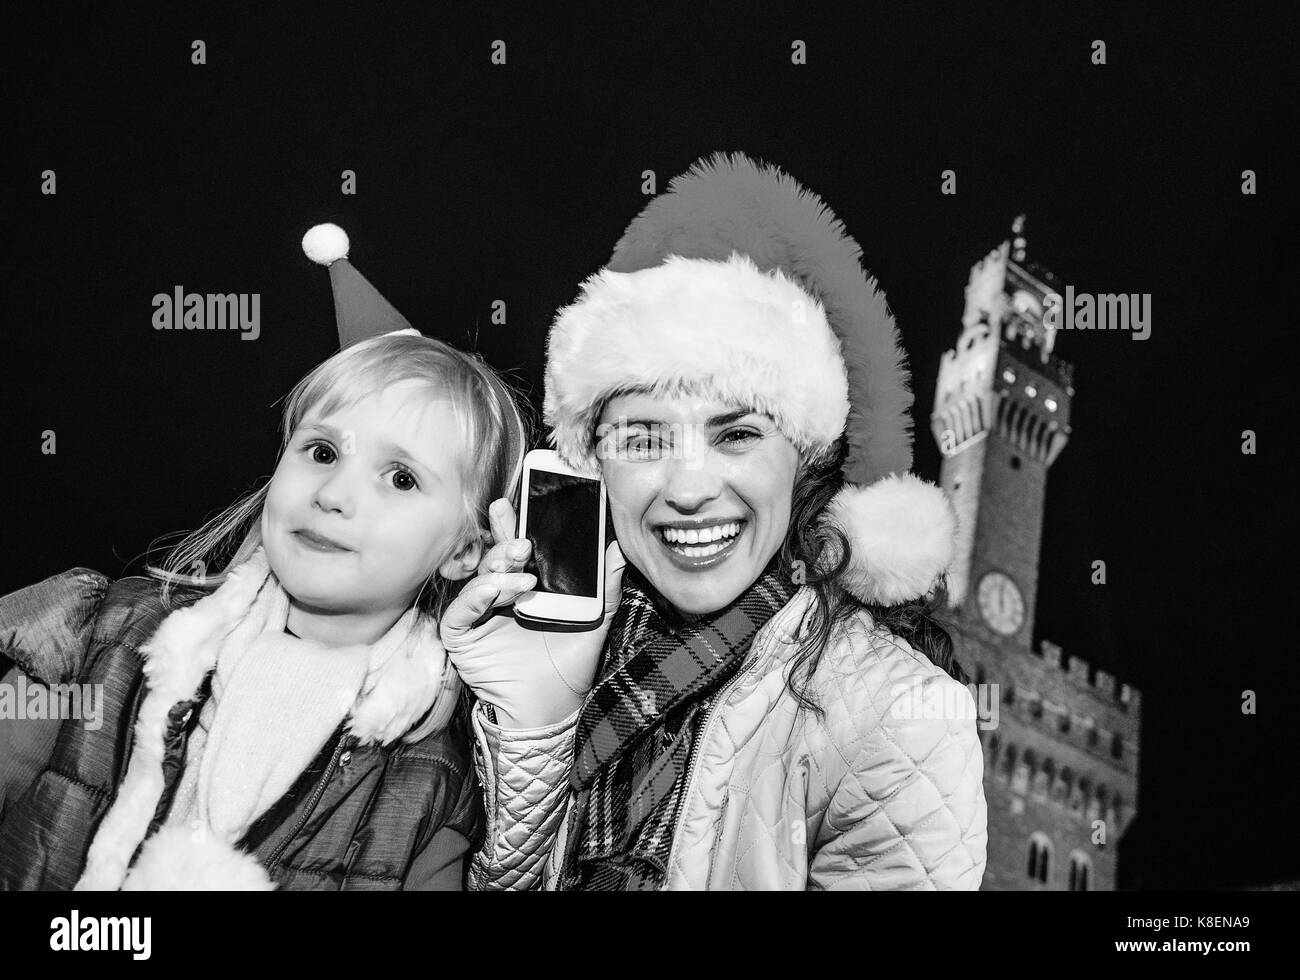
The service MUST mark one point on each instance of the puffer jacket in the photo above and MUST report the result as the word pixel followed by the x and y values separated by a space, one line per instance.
pixel 361 817
pixel 876 795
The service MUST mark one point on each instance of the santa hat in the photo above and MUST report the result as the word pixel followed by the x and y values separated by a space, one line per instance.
pixel 359 308
pixel 740 283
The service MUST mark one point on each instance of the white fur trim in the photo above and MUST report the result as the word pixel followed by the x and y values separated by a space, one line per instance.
pixel 902 533
pixel 177 658
pixel 325 244
pixel 181 859
pixel 416 675
pixel 752 339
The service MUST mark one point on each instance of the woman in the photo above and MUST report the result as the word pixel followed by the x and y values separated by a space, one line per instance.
pixel 737 380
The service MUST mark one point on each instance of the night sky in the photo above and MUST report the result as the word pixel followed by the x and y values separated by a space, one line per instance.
pixel 478 182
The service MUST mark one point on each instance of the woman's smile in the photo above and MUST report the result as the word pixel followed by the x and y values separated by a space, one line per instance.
pixel 696 545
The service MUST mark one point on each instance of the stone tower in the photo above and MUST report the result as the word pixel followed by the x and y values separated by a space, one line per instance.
pixel 1061 762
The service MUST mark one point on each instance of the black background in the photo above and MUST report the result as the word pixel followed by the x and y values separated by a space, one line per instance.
pixel 479 182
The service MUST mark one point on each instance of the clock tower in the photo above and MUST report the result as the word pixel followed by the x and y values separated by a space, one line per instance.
pixel 1001 417
pixel 1061 750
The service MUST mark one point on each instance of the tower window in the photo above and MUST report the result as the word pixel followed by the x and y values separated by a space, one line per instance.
pixel 1015 462
pixel 1040 853
pixel 1079 869
pixel 1117 746
pixel 1008 763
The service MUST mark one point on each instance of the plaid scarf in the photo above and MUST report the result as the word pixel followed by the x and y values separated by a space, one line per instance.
pixel 639 724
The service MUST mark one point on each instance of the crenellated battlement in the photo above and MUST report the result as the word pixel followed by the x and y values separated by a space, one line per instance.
pixel 1099 684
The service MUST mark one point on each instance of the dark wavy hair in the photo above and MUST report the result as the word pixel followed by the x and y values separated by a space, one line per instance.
pixel 816 545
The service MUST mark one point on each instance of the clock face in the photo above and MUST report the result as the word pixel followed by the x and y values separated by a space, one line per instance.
pixel 1000 603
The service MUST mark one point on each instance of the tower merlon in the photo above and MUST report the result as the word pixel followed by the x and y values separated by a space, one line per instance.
pixel 1051 653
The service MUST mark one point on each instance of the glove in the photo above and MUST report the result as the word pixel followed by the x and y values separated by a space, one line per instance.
pixel 532 678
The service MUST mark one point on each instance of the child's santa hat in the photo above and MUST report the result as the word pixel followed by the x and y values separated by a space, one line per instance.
pixel 739 283
pixel 359 308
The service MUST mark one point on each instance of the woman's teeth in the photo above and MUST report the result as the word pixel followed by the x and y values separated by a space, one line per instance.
pixel 701 542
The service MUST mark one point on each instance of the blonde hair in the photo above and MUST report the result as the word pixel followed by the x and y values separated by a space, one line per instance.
pixel 495 436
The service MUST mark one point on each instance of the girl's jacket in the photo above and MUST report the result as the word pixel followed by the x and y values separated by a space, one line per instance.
pixel 362 816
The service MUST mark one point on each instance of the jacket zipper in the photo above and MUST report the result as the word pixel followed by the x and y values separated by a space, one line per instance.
pixel 695 751
pixel 311 805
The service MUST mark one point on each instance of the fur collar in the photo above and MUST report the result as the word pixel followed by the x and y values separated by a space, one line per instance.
pixel 410 676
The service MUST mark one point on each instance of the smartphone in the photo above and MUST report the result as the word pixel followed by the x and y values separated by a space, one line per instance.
pixel 562 512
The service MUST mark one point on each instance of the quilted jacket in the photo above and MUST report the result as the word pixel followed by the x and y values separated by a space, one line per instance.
pixel 875 795
pixel 361 816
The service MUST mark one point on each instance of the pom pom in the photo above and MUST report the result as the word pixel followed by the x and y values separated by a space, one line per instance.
pixel 902 536
pixel 325 244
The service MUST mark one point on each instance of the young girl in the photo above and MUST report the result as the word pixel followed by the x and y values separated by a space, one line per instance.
pixel 297 726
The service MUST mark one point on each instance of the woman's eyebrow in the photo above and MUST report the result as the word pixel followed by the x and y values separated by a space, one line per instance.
pixel 729 417
pixel 714 421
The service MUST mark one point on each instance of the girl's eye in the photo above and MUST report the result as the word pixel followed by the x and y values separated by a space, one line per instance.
pixel 323 453
pixel 313 449
pixel 404 480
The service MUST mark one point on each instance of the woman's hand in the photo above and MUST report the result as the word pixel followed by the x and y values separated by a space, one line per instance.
pixel 532 678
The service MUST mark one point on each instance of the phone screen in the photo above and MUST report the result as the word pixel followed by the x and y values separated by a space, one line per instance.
pixel 564 526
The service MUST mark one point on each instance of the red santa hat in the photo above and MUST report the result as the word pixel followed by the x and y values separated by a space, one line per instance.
pixel 739 283
pixel 359 308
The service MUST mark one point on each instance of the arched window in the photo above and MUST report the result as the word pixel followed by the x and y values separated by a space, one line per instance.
pixel 1080 872
pixel 1024 772
pixel 1064 786
pixel 991 755
pixel 1040 857
pixel 1044 777
pixel 1079 798
pixel 1117 745
pixel 1008 767
pixel 1095 804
